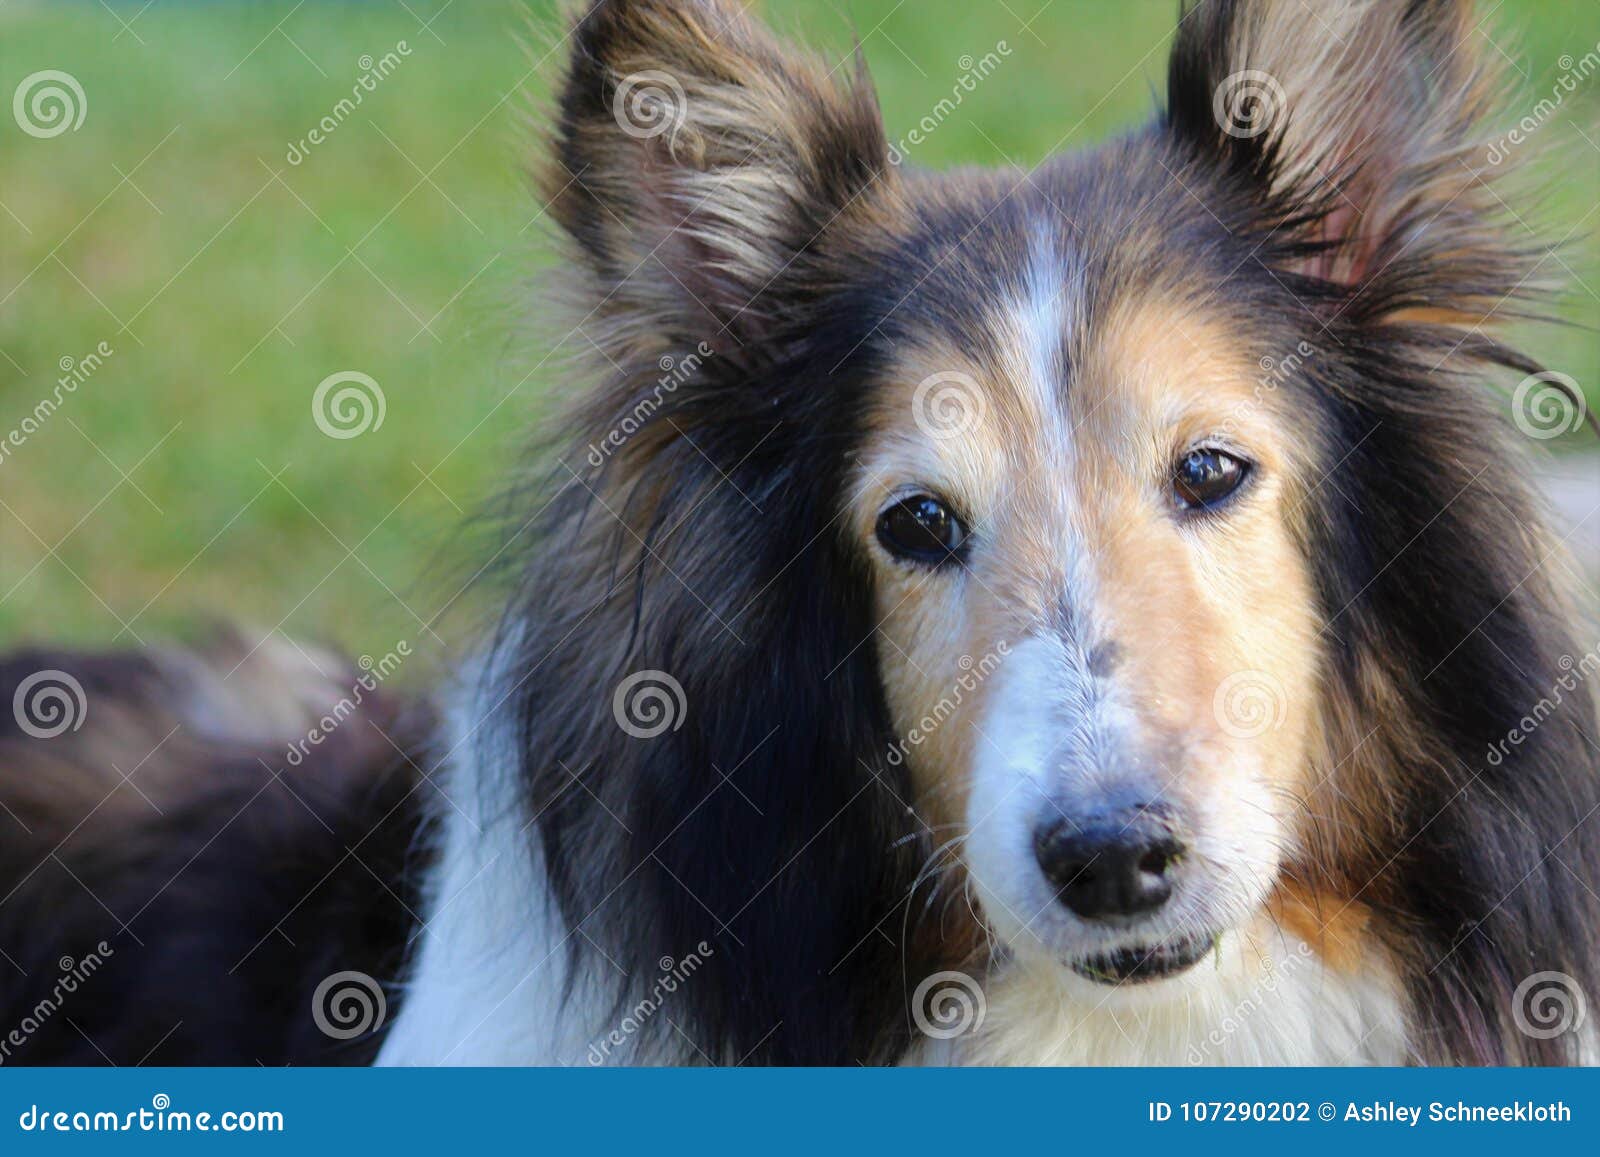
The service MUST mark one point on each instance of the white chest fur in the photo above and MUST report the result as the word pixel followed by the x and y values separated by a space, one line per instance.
pixel 490 980
pixel 1263 999
pixel 488 985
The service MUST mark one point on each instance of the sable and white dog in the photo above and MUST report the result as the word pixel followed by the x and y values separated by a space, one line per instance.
pixel 1069 616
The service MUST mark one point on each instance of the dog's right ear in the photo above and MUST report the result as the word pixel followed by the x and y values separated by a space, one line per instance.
pixel 703 172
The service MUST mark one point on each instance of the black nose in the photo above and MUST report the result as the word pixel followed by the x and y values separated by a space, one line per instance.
pixel 1111 865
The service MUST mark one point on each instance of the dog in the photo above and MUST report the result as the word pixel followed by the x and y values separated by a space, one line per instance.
pixel 1087 615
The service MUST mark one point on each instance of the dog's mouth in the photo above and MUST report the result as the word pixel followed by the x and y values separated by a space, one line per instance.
pixel 1144 962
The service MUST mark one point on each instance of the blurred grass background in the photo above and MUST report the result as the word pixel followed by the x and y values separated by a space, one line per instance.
pixel 186 477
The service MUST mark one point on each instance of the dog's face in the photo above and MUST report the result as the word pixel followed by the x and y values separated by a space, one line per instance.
pixel 1095 620
pixel 1078 431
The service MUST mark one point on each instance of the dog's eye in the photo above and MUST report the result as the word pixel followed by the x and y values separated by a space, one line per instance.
pixel 1206 477
pixel 922 529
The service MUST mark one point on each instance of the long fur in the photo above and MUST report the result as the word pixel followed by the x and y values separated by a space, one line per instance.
pixel 173 890
pixel 1445 625
pixel 1448 613
pixel 762 244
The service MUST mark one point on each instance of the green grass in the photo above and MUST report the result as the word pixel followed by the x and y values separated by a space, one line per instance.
pixel 186 477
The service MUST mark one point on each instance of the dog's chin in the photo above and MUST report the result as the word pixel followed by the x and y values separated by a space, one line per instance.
pixel 1144 963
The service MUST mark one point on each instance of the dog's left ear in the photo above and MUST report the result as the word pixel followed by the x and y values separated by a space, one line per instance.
pixel 1357 129
pixel 701 169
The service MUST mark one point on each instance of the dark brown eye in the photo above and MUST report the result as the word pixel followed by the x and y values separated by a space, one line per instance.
pixel 921 529
pixel 1205 478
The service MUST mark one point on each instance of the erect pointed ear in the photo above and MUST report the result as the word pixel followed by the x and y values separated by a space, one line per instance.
pixel 701 169
pixel 1360 127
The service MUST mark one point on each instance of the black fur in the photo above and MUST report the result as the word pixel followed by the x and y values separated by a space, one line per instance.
pixel 1485 870
pixel 798 866
pixel 763 614
pixel 709 547
pixel 197 934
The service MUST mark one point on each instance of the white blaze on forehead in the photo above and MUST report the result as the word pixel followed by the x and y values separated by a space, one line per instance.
pixel 1047 312
pixel 1047 317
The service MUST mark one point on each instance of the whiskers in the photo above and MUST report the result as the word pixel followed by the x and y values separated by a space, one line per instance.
pixel 946 871
pixel 943 876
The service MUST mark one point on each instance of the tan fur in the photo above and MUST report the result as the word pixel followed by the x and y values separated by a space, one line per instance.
pixel 1336 929
pixel 1057 480
pixel 1092 358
